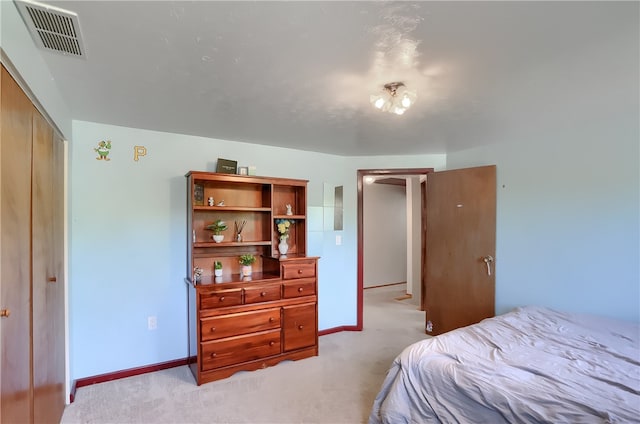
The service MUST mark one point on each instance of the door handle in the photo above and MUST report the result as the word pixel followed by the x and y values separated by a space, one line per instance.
pixel 4 313
pixel 488 260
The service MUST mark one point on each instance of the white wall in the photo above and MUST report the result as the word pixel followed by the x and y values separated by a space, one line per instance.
pixel 128 242
pixel 128 245
pixel 568 184
pixel 385 235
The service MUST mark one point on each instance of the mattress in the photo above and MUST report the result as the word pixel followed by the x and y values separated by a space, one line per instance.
pixel 531 365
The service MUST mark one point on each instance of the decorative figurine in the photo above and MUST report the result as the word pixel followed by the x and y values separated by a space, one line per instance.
pixel 221 203
pixel 197 274
pixel 210 201
pixel 289 212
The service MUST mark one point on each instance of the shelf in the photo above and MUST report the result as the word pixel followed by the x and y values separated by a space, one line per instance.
pixel 237 278
pixel 231 243
pixel 300 217
pixel 230 209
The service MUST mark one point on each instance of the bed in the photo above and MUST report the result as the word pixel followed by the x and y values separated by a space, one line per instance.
pixel 531 365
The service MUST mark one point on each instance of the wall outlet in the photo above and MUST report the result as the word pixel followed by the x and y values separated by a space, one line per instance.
pixel 152 322
pixel 338 240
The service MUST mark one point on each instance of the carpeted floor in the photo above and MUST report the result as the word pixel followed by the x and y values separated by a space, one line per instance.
pixel 338 386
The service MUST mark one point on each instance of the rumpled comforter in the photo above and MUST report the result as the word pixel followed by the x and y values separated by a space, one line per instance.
pixel 531 365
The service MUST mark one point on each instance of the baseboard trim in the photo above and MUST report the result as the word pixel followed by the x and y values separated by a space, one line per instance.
pixel 339 329
pixel 87 381
pixel 102 378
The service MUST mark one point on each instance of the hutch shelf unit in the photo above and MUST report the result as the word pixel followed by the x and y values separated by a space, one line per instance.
pixel 239 322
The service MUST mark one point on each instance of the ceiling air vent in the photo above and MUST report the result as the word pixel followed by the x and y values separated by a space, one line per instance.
pixel 52 28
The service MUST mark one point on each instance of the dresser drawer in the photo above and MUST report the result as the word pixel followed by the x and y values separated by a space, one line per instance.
pixel 299 326
pixel 240 323
pixel 262 294
pixel 235 350
pixel 292 270
pixel 300 287
pixel 220 298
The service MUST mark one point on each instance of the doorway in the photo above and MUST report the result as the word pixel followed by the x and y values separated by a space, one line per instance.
pixel 376 173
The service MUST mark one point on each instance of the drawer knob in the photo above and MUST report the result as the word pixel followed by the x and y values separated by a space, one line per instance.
pixel 300 327
pixel 222 299
pixel 52 279
pixel 213 329
pixel 299 271
pixel 271 319
pixel 300 289
pixel 263 294
pixel 213 355
pixel 271 343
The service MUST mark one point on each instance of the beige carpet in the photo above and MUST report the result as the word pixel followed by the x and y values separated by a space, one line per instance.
pixel 338 386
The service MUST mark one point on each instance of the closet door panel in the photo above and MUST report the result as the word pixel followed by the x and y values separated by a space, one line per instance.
pixel 56 295
pixel 15 251
pixel 47 402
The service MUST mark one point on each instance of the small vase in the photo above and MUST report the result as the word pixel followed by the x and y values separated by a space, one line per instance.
pixel 283 247
pixel 218 238
pixel 246 270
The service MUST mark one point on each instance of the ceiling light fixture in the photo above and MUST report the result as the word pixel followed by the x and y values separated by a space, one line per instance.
pixel 395 98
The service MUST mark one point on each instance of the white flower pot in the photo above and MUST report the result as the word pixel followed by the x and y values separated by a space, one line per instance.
pixel 217 272
pixel 283 247
pixel 218 238
pixel 246 270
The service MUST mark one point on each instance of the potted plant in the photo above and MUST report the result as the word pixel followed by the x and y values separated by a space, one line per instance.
pixel 246 261
pixel 217 269
pixel 217 227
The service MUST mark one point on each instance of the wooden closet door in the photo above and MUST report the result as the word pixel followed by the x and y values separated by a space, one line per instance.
pixel 48 331
pixel 15 252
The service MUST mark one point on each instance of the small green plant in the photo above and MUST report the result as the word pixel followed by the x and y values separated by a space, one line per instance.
pixel 217 265
pixel 247 259
pixel 217 227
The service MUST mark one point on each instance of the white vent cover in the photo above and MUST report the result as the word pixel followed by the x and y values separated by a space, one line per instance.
pixel 52 28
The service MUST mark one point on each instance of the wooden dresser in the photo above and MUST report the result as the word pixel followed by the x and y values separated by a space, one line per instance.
pixel 239 323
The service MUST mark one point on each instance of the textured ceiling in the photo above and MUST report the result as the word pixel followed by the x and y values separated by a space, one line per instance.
pixel 299 74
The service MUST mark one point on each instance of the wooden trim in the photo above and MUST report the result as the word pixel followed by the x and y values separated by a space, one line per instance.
pixel 361 173
pixel 72 392
pixel 360 273
pixel 338 330
pixel 385 285
pixel 102 378
pixel 13 71
pixel 392 181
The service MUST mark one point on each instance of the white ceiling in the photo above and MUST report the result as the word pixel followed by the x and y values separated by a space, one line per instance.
pixel 299 74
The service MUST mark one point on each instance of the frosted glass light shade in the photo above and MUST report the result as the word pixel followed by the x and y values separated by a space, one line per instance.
pixel 394 98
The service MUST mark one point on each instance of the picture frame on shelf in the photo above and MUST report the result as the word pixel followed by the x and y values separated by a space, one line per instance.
pixel 243 170
pixel 226 166
pixel 198 194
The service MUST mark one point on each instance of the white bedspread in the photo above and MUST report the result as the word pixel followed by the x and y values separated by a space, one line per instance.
pixel 532 365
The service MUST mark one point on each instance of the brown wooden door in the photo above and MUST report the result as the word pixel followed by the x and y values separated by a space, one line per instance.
pixel 48 297
pixel 299 326
pixel 460 234
pixel 15 252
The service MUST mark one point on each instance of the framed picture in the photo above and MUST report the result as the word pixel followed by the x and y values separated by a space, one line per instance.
pixel 243 170
pixel 226 166
pixel 198 194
